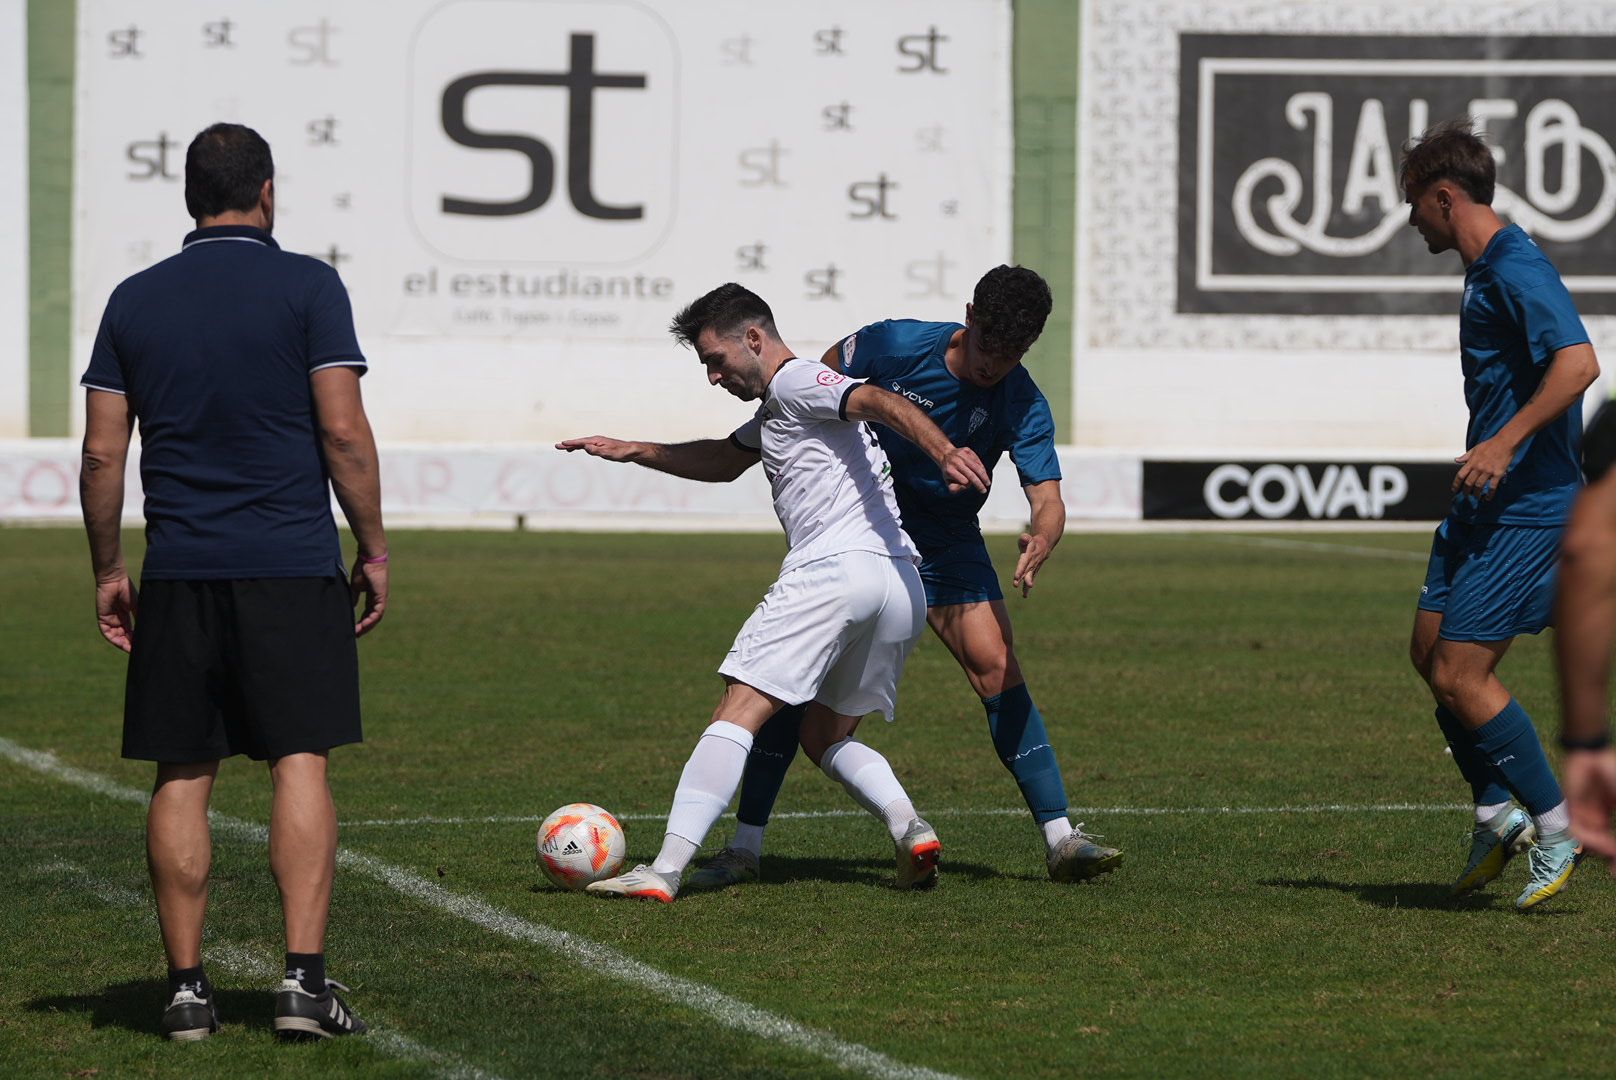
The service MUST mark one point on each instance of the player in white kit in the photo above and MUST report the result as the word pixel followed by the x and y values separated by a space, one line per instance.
pixel 837 626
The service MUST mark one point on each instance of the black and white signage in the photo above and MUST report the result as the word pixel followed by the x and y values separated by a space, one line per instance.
pixel 1304 491
pixel 1289 148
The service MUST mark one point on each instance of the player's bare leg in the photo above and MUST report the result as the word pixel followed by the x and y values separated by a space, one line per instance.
pixel 179 851
pixel 303 847
pixel 980 637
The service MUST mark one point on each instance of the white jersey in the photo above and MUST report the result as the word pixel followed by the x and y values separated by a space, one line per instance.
pixel 831 483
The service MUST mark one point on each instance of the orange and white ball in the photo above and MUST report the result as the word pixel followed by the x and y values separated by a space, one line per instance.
pixel 580 843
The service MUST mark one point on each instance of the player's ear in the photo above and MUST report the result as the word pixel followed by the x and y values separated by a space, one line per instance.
pixel 970 312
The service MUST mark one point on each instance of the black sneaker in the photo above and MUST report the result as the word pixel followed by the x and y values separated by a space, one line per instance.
pixel 189 1017
pixel 302 1015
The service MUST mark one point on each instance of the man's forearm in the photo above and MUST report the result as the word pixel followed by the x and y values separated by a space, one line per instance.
pixel 1048 520
pixel 1570 373
pixel 704 459
pixel 101 498
pixel 356 480
pixel 902 416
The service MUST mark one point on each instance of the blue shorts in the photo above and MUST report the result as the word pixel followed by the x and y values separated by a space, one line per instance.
pixel 1491 582
pixel 959 574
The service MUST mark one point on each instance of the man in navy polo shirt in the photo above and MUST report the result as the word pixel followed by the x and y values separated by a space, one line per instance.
pixel 240 363
pixel 1526 360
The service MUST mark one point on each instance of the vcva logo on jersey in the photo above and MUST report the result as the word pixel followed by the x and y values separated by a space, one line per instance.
pixel 543 131
pixel 1289 148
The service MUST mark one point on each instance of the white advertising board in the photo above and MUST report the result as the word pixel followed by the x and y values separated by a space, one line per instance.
pixel 1246 282
pixel 520 194
pixel 13 219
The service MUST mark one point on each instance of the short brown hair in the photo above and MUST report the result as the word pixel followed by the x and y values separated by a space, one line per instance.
pixel 1450 151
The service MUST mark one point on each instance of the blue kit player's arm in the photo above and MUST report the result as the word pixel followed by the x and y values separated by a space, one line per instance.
pixel 1032 449
pixel 868 353
pixel 1556 338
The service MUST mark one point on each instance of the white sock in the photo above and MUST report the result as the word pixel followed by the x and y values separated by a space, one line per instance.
pixel 1055 831
pixel 748 838
pixel 705 788
pixel 1554 824
pixel 869 779
pixel 1486 815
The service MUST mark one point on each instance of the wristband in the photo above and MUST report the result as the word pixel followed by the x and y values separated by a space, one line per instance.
pixel 376 560
pixel 1595 742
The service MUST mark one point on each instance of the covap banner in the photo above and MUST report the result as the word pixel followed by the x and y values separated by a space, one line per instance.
pixel 520 194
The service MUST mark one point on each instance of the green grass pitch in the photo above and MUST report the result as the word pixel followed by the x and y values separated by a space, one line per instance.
pixel 1303 933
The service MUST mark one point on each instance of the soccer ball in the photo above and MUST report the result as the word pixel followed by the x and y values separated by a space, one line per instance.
pixel 580 843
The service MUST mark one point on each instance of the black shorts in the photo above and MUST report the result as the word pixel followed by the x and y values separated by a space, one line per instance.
pixel 263 667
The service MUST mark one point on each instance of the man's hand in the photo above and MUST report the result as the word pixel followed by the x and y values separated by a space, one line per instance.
pixel 602 447
pixel 368 582
pixel 962 469
pixel 1034 551
pixel 1590 791
pixel 115 604
pixel 1482 468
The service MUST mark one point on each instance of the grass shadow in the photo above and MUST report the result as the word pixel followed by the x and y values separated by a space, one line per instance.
pixel 782 870
pixel 1417 895
pixel 137 1005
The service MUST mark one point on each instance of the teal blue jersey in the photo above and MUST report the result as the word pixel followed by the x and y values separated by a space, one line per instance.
pixel 906 357
pixel 1516 314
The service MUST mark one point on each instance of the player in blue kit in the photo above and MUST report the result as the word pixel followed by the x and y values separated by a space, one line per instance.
pixel 1526 360
pixel 969 380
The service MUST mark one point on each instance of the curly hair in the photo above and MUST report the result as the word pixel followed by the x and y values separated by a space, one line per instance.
pixel 1009 309
pixel 1453 151
pixel 727 310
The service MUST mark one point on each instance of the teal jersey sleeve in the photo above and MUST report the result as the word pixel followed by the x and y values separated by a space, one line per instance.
pixel 1031 434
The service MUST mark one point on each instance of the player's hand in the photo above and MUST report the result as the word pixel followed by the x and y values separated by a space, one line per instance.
pixel 602 447
pixel 962 469
pixel 1590 791
pixel 368 582
pixel 1034 550
pixel 115 604
pixel 1482 468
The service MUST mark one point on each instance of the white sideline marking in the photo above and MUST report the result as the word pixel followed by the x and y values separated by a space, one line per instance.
pixel 1320 547
pixel 1075 811
pixel 253 964
pixel 728 1011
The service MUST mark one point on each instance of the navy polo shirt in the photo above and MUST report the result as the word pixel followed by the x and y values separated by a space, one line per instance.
pixel 214 348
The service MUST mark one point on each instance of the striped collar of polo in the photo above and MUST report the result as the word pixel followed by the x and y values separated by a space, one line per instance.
pixel 227 232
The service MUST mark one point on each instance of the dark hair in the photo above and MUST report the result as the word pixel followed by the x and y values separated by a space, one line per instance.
pixel 1009 309
pixel 1450 151
pixel 225 169
pixel 726 310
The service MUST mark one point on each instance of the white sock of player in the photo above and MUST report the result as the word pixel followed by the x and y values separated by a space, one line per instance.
pixel 705 788
pixel 1055 831
pixel 869 779
pixel 748 838
pixel 1554 824
pixel 1493 814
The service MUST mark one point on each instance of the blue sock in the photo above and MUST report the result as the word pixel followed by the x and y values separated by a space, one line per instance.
pixel 1023 745
pixel 1510 745
pixel 1485 788
pixel 774 747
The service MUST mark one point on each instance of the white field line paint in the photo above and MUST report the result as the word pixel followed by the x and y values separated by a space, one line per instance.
pixel 259 966
pixel 1075 811
pixel 1319 547
pixel 716 1005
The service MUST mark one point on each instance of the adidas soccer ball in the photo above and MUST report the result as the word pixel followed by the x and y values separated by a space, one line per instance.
pixel 580 843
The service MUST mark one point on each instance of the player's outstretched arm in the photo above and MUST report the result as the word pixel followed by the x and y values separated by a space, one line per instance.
pixel 107 424
pixel 1571 371
pixel 713 461
pixel 1047 526
pixel 356 480
pixel 1584 638
pixel 959 464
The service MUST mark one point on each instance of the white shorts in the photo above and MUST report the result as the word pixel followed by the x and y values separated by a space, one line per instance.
pixel 836 631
